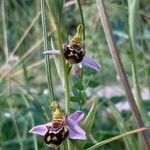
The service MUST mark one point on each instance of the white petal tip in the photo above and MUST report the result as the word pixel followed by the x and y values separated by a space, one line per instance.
pixel 31 131
pixel 51 52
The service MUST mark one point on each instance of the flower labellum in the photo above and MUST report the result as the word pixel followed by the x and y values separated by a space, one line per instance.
pixel 74 52
pixel 61 127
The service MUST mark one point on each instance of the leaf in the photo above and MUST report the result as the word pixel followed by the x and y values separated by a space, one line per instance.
pixel 88 123
pixel 88 71
pixel 93 84
pixel 74 99
pixel 89 120
pixel 79 85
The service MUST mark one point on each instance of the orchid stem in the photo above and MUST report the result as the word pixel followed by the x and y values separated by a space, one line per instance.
pixel 66 78
pixel 47 60
pixel 120 69
pixel 65 72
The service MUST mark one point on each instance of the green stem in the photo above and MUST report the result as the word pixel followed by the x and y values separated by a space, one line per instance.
pixel 69 145
pixel 66 79
pixel 47 60
pixel 65 72
pixel 82 18
pixel 4 30
pixel 133 6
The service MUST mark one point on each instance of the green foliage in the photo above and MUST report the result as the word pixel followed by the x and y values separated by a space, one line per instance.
pixel 88 122
pixel 56 8
pixel 24 99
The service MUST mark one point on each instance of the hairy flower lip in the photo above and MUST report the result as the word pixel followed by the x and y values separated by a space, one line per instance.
pixel 72 122
pixel 87 60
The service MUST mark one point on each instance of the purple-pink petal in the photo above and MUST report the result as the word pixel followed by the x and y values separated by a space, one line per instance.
pixel 75 132
pixel 76 116
pixel 90 62
pixel 40 129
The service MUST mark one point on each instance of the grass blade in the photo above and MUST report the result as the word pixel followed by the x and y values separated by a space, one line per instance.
pixel 117 137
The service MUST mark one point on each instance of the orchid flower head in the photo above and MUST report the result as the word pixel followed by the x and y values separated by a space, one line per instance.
pixel 74 52
pixel 61 127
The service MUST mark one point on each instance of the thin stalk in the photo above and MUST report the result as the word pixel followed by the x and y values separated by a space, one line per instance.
pixel 30 67
pixel 34 20
pixel 29 51
pixel 65 72
pixel 82 18
pixel 69 147
pixel 133 11
pixel 32 122
pixel 4 30
pixel 47 60
pixel 120 69
pixel 93 140
pixel 66 78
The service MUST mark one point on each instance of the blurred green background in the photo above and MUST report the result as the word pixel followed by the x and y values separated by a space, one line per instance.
pixel 24 99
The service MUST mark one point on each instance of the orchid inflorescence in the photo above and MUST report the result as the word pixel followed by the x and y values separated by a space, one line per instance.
pixel 61 127
pixel 64 126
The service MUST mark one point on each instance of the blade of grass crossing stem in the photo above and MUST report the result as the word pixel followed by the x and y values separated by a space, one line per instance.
pixel 119 67
pixel 34 20
pixel 116 138
pixel 47 60
pixel 25 55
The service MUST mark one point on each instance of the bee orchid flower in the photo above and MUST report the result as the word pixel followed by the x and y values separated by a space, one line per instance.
pixel 61 127
pixel 74 52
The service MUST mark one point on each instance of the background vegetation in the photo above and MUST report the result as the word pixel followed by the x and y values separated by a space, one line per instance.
pixel 24 99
